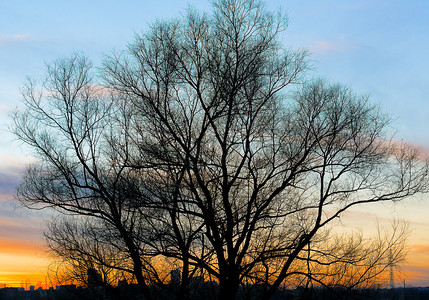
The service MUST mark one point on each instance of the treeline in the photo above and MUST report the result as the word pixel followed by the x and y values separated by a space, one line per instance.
pixel 210 291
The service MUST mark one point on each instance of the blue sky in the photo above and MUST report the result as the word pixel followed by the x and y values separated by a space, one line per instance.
pixel 378 47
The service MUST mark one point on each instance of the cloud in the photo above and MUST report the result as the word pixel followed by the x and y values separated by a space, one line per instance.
pixel 340 45
pixel 11 171
pixel 22 252
pixel 326 46
pixel 416 275
pixel 19 227
pixel 5 108
pixel 14 164
pixel 420 248
pixel 6 39
pixel 357 5
pixel 419 151
pixel 8 184
pixel 26 247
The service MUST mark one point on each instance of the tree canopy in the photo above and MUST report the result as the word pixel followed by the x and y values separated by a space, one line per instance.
pixel 205 146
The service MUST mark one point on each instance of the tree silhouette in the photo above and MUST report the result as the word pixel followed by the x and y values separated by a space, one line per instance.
pixel 205 145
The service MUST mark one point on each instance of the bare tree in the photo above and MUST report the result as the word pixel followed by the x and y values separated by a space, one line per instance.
pixel 211 149
pixel 73 128
pixel 77 247
pixel 351 262
pixel 266 170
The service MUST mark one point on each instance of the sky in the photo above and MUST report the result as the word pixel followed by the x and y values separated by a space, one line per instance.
pixel 377 47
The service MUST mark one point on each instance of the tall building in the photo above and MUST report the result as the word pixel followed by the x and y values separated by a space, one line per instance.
pixel 94 278
pixel 175 277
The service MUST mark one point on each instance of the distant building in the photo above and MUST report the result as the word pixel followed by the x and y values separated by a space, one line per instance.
pixel 69 287
pixel 196 281
pixel 9 293
pixel 94 278
pixel 175 277
pixel 122 282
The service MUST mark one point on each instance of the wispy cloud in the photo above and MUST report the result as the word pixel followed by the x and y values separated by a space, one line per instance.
pixel 339 45
pixel 8 183
pixel 420 248
pixel 15 165
pixel 11 171
pixel 14 226
pixel 5 108
pixel 416 275
pixel 6 39
pixel 357 5
pixel 13 246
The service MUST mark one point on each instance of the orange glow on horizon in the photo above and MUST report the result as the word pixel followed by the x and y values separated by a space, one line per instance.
pixel 25 263
pixel 24 269
pixel 22 263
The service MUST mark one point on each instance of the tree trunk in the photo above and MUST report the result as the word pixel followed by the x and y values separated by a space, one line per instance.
pixel 184 282
pixel 137 262
pixel 143 288
pixel 228 288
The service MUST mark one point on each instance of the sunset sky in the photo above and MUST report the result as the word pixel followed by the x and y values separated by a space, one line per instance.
pixel 376 47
